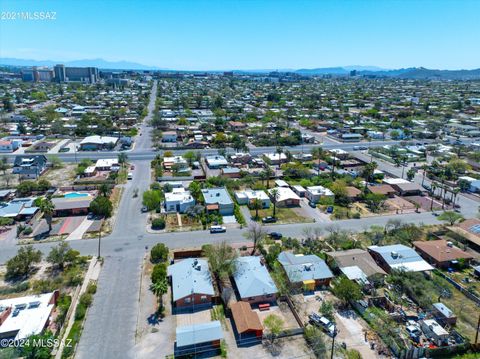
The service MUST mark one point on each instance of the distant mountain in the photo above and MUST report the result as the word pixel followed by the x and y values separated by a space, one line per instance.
pixel 324 71
pixel 100 63
pixel 422 73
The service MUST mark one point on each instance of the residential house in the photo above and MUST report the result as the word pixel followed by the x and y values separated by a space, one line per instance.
pixel 315 193
pixel 22 317
pixel 107 164
pixel 196 338
pixel 253 281
pixel 353 193
pixel 169 136
pixel 230 172
pixel 399 257
pixel 309 271
pixel 216 161
pixel 249 196
pixel 29 166
pixel 9 145
pixel 404 187
pixel 383 189
pixel 177 162
pixel 191 283
pixel 77 206
pixel 179 200
pixel 356 264
pixel 285 197
pixel 96 143
pixel 218 199
pixel 299 190
pixel 441 253
pixel 275 158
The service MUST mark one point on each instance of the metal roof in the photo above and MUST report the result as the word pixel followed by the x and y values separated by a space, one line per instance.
pixel 190 276
pixel 216 195
pixel 398 256
pixel 252 278
pixel 199 333
pixel 301 268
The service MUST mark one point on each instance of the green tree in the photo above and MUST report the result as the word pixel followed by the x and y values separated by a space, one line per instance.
pixel 4 165
pixel 450 217
pixel 48 208
pixel 104 190
pixel 190 157
pixel 30 350
pixel 101 206
pixel 55 161
pixel 159 272
pixel 274 325
pixel 122 158
pixel 21 265
pixel 410 174
pixel 316 340
pixel 375 201
pixel 152 199
pixel 159 253
pixel 347 290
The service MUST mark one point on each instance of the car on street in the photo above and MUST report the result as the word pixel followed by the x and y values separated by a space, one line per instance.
pixel 312 204
pixel 217 229
pixel 130 175
pixel 144 209
pixel 275 235
pixel 269 219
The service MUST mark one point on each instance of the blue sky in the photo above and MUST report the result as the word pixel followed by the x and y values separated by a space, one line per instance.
pixel 248 34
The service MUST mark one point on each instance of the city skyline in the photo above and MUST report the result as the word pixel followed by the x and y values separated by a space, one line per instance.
pixel 253 36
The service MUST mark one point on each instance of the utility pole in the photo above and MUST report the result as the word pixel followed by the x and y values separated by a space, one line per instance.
pixel 335 332
pixel 99 242
pixel 478 330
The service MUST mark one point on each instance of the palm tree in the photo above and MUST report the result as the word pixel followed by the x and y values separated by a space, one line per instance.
pixel 455 192
pixel 256 205
pixel 424 168
pixel 318 152
pixel 275 194
pixel 268 173
pixel 159 289
pixel 47 207
pixel 263 177
pixel 279 151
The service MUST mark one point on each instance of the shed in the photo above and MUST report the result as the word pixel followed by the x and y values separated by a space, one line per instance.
pixel 246 320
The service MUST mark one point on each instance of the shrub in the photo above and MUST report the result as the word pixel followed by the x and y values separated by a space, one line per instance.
pixel 158 223
pixel 92 288
pixel 80 312
pixel 86 299
pixel 159 253
pixel 27 231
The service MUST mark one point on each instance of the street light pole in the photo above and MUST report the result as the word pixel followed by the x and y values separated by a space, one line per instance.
pixel 333 341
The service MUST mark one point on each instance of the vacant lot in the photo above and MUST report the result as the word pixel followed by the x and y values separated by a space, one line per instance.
pixel 61 177
pixel 284 215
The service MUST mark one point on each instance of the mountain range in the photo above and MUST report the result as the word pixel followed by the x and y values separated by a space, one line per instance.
pixel 372 71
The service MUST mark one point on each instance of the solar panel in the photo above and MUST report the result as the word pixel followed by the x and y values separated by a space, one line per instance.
pixel 475 229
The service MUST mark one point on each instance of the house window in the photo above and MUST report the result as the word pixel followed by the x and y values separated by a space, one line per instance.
pixel 188 300
pixel 203 298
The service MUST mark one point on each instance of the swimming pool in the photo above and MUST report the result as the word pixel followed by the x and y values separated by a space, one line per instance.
pixel 75 195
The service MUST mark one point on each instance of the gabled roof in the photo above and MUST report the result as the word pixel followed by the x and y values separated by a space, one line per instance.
pixel 359 258
pixel 199 333
pixel 190 276
pixel 252 278
pixel 245 318
pixel 300 268
pixel 35 160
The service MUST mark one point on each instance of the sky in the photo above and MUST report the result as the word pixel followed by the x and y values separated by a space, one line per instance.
pixel 248 34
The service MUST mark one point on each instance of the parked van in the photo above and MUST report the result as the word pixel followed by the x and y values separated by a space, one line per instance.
pixel 130 176
pixel 217 229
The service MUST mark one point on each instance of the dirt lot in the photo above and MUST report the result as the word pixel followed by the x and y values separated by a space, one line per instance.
pixel 61 177
pixel 425 202
pixel 399 204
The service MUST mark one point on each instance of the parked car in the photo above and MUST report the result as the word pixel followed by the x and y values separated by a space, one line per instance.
pixel 330 209
pixel 322 322
pixel 269 219
pixel 130 175
pixel 413 331
pixel 312 204
pixel 217 229
pixel 144 209
pixel 275 235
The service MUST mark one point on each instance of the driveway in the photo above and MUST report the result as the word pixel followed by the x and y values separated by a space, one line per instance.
pixel 352 333
pixel 314 213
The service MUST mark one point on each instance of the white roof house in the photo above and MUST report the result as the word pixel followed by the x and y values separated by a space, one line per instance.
pixel 179 200
pixel 276 157
pixel 107 163
pixel 285 194
pixel 248 196
pixel 99 140
pixel 26 316
pixel 314 193
pixel 399 257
